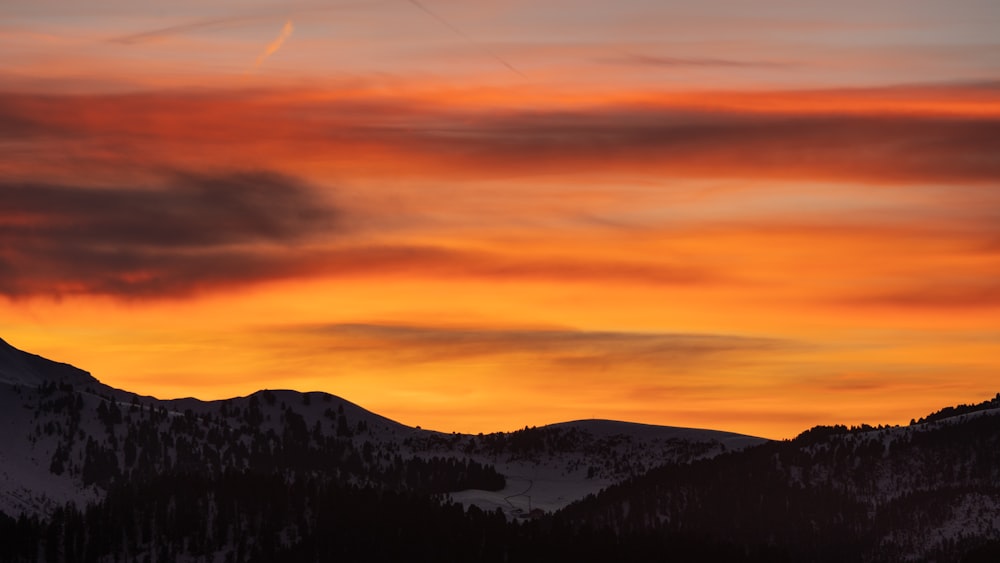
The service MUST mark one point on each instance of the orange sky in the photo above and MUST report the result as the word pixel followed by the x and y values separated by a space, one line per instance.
pixel 655 212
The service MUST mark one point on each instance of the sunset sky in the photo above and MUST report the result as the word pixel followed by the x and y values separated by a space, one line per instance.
pixel 478 215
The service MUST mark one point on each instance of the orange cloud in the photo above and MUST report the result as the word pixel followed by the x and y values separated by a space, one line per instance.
pixel 272 47
pixel 422 344
pixel 430 138
pixel 389 217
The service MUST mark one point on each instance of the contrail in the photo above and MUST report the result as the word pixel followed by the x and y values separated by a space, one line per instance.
pixel 163 32
pixel 212 23
pixel 273 47
pixel 462 34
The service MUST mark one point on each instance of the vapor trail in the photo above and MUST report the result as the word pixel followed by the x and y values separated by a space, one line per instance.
pixel 213 23
pixel 163 32
pixel 462 34
pixel 273 47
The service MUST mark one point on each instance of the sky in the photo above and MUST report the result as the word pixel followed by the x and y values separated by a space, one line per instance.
pixel 476 216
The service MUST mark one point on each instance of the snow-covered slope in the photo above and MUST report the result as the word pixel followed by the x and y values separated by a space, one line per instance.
pixel 66 437
pixel 26 483
pixel 551 466
pixel 22 368
pixel 929 491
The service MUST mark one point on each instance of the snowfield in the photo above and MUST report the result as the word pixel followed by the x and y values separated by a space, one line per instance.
pixel 546 468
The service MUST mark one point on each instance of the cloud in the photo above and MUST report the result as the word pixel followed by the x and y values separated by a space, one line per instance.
pixel 458 263
pixel 187 232
pixel 191 232
pixel 182 28
pixel 562 348
pixel 273 46
pixel 874 148
pixel 423 138
pixel 652 60
pixel 956 296
pixel 486 50
pixel 261 15
pixel 113 245
pixel 354 260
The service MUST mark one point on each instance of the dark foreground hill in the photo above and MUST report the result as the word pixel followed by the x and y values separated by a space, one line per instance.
pixel 92 473
pixel 926 492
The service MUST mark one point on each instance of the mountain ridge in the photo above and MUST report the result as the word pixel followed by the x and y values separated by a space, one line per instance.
pixel 24 368
pixel 83 376
pixel 73 436
pixel 168 473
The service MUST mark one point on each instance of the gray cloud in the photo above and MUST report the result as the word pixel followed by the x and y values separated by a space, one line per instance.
pixel 190 231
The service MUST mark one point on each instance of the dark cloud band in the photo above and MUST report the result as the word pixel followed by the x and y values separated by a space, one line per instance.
pixel 418 137
pixel 171 238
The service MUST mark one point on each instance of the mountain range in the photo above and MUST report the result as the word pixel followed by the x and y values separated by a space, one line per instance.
pixel 93 473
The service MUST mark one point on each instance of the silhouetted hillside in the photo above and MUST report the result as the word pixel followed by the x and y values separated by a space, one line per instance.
pixel 925 492
pixel 92 473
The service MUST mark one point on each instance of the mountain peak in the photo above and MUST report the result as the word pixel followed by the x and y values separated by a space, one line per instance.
pixel 21 368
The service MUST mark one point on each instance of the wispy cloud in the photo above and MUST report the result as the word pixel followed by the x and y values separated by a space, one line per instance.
pixel 486 50
pixel 187 27
pixel 293 8
pixel 709 62
pixel 564 348
pixel 273 46
pixel 961 294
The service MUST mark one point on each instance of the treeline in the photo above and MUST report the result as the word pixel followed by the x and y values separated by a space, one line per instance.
pixel 613 456
pixel 256 481
pixel 244 516
pixel 829 495
pixel 114 441
pixel 516 444
pixel 949 412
